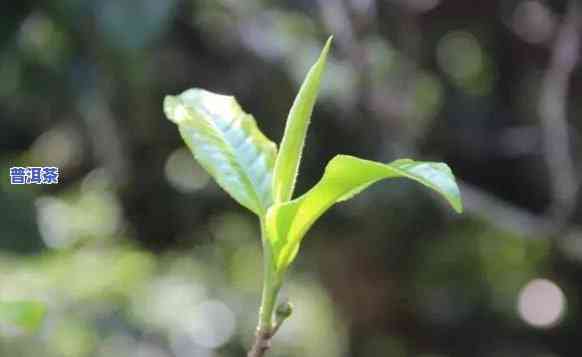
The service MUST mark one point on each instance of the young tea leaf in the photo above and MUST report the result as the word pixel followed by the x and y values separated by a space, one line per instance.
pixel 344 177
pixel 287 163
pixel 24 315
pixel 227 143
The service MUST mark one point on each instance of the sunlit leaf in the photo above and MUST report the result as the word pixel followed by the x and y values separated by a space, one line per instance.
pixel 344 177
pixel 287 163
pixel 227 143
pixel 22 315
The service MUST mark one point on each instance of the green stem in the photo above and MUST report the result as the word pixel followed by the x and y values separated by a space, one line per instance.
pixel 271 286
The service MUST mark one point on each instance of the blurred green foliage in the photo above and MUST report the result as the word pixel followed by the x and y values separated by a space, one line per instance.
pixel 21 315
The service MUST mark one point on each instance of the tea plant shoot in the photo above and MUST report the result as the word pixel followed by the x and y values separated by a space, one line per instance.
pixel 227 142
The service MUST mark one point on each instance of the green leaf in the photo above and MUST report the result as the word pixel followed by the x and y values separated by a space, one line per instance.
pixel 227 143
pixel 344 177
pixel 287 163
pixel 23 315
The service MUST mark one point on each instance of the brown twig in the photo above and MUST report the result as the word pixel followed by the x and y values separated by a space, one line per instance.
pixel 263 336
pixel 261 345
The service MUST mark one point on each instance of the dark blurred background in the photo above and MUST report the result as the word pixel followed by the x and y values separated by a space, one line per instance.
pixel 137 252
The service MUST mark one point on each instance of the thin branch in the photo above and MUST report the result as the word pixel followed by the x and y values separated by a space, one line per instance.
pixel 502 214
pixel 101 127
pixel 553 116
pixel 510 218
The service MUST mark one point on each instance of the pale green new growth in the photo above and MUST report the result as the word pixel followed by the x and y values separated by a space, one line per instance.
pixel 25 316
pixel 227 143
pixel 344 177
pixel 291 148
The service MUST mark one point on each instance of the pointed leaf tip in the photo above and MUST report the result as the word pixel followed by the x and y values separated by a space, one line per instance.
pixel 173 111
pixel 326 47
pixel 289 158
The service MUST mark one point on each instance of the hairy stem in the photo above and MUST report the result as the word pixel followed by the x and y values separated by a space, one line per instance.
pixel 271 286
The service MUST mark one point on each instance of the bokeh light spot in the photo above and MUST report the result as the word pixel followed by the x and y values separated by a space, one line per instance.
pixel 213 324
pixel 183 173
pixel 533 22
pixel 541 303
pixel 59 147
pixel 459 55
